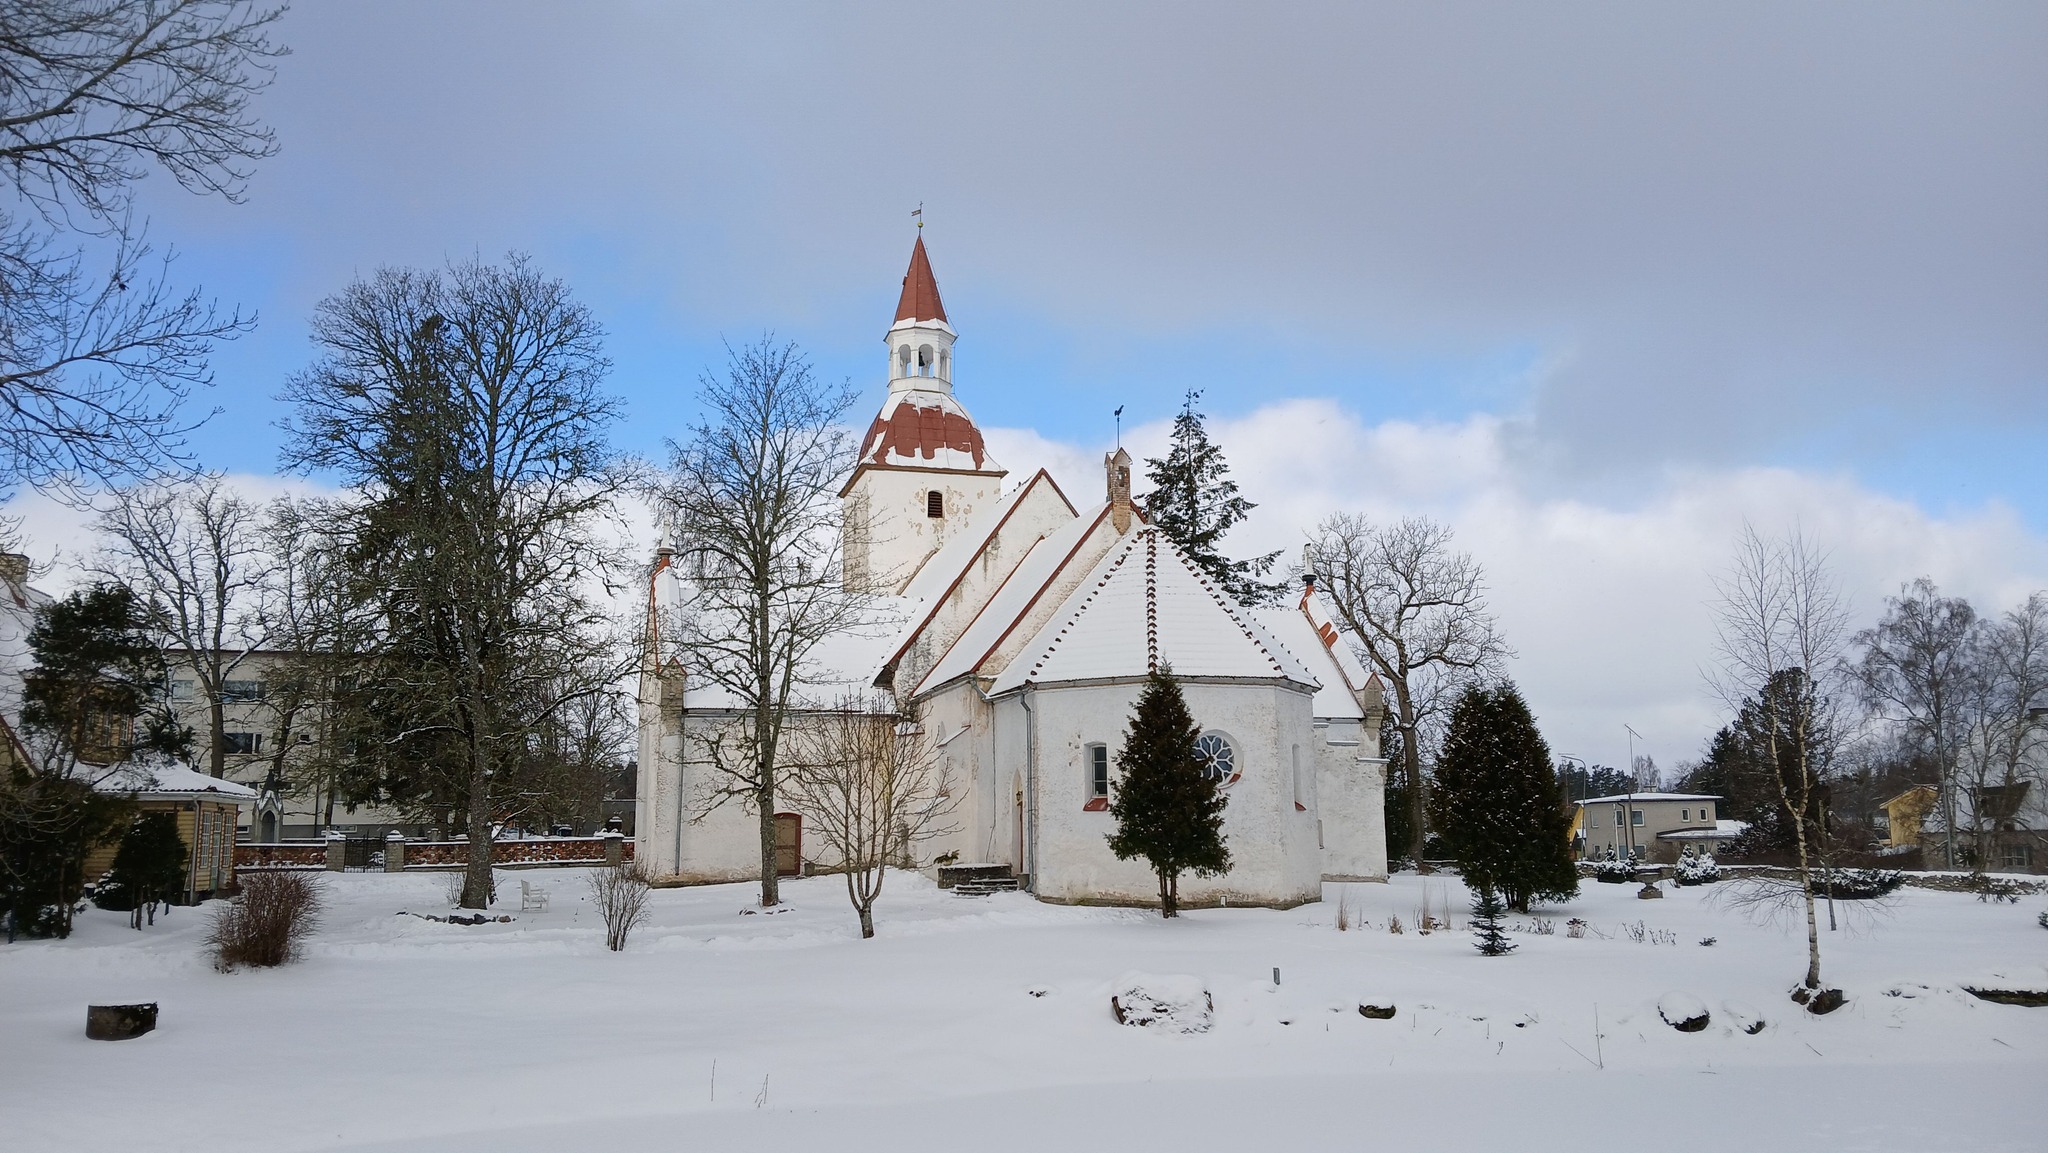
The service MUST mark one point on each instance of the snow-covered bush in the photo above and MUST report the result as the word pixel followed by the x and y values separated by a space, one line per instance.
pixel 1697 870
pixel 1859 884
pixel 1614 871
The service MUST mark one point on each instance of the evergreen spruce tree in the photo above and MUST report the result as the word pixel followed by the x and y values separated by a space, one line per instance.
pixel 1166 807
pixel 1487 935
pixel 95 697
pixel 1194 505
pixel 148 869
pixel 1497 802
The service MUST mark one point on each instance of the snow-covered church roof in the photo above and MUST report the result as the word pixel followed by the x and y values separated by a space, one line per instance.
pixel 1146 605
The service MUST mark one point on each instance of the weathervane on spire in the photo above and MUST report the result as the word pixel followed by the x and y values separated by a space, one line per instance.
pixel 1119 414
pixel 917 214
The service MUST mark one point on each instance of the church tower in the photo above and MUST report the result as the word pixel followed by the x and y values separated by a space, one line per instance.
pixel 922 472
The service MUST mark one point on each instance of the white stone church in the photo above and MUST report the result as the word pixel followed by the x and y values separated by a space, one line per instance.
pixel 1022 628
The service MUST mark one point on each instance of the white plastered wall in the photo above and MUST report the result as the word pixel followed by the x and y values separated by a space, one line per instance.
pixel 898 535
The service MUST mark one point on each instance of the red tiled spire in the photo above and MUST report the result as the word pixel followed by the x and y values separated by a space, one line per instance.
pixel 920 299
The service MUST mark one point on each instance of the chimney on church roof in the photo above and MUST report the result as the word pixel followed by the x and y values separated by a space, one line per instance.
pixel 1117 469
pixel 920 299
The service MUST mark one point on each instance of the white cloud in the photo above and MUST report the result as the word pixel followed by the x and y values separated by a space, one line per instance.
pixel 1609 605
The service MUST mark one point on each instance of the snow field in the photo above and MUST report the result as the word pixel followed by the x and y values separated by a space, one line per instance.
pixel 985 1024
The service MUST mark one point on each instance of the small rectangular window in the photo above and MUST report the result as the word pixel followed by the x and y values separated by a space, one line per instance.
pixel 1098 770
pixel 181 689
pixel 1635 816
pixel 241 690
pixel 1685 814
pixel 245 744
pixel 935 503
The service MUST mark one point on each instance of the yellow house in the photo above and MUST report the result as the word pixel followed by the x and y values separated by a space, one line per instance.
pixel 1905 814
pixel 207 809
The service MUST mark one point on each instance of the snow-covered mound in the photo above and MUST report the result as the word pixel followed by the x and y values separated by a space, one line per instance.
pixel 1174 1004
pixel 1683 1012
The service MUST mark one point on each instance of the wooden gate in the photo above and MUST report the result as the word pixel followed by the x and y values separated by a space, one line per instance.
pixel 789 844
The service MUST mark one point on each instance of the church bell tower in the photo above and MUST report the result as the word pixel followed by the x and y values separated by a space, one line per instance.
pixel 922 472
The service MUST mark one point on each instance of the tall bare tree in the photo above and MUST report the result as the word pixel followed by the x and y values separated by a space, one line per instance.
pixel 2005 746
pixel 318 632
pixel 1416 611
pixel 466 407
pixel 873 787
pixel 193 551
pixel 1781 631
pixel 99 352
pixel 1918 671
pixel 750 501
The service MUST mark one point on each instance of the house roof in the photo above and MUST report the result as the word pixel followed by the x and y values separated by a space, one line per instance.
pixel 1722 831
pixel 1146 605
pixel 920 299
pixel 1651 797
pixel 151 778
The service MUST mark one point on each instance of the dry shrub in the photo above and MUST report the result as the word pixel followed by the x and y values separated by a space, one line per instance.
pixel 1394 925
pixel 621 894
pixel 1343 912
pixel 266 925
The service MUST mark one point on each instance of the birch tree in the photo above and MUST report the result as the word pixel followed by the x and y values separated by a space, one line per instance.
pixel 1415 609
pixel 1781 624
pixel 750 499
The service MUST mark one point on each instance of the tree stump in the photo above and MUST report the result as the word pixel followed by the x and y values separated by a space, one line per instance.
pixel 1376 1012
pixel 119 1022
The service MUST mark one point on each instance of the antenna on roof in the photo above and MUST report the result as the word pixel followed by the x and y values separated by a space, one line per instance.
pixel 1119 414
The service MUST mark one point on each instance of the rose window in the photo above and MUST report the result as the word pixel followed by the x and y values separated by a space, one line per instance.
pixel 1217 758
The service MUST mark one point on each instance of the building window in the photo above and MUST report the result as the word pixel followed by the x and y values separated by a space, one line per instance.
pixel 1217 758
pixel 241 690
pixel 935 503
pixel 1635 817
pixel 181 689
pixel 2018 855
pixel 1300 781
pixel 1706 812
pixel 245 744
pixel 1098 771
pixel 1685 814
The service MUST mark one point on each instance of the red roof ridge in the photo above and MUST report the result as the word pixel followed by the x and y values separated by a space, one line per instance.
pixel 920 299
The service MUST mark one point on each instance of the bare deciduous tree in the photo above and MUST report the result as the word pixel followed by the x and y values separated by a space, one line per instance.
pixel 2005 743
pixel 193 552
pixel 750 501
pixel 620 893
pixel 95 366
pixel 1416 611
pixel 1781 629
pixel 1917 671
pixel 873 788
pixel 466 408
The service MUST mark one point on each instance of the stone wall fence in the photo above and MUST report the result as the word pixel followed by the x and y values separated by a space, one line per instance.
pixel 402 855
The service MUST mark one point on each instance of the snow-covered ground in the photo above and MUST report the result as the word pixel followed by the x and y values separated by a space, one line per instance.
pixel 985 1025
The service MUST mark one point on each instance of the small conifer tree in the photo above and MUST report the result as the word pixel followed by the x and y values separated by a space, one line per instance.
pixel 1194 505
pixel 1166 806
pixel 1497 803
pixel 148 870
pixel 1487 935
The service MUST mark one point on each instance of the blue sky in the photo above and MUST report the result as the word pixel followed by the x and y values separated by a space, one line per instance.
pixel 1627 273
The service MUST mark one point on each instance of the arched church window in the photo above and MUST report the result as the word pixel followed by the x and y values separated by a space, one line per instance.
pixel 1218 758
pixel 935 503
pixel 903 360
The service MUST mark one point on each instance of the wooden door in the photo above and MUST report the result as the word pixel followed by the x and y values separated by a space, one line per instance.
pixel 789 844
